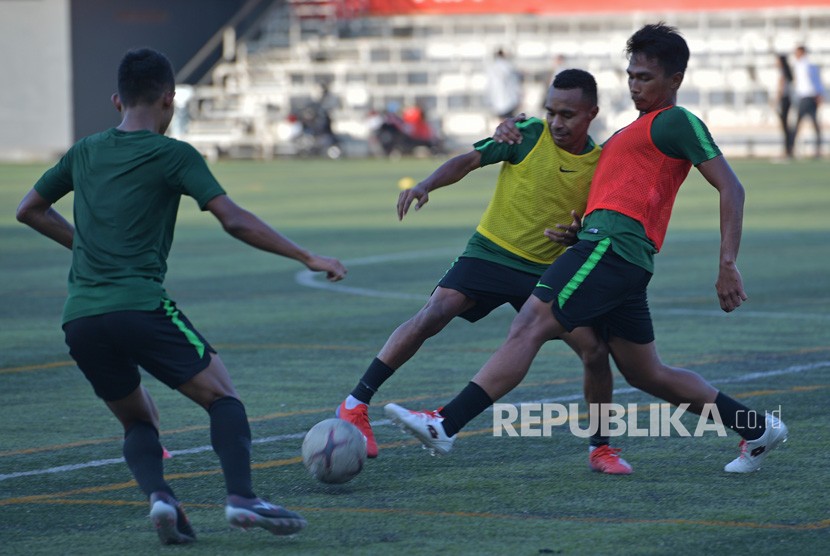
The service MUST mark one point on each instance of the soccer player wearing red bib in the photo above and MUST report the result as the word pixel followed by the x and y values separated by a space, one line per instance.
pixel 540 182
pixel 602 279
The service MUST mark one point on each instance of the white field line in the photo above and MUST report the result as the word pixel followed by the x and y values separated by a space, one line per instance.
pixel 316 280
pixel 795 369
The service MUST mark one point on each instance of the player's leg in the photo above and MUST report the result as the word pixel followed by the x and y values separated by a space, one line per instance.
pixel 443 305
pixel 173 351
pixel 507 367
pixel 470 289
pixel 642 368
pixel 532 327
pixel 537 321
pixel 94 344
pixel 144 455
pixel 598 386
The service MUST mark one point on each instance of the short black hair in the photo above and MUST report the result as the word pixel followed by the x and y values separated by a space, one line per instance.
pixel 577 79
pixel 663 43
pixel 144 75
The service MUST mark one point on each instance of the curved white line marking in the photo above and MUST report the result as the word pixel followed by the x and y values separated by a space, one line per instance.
pixel 316 280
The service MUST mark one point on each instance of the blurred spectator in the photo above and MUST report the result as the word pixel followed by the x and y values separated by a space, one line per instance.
pixel 317 137
pixel 416 124
pixel 504 87
pixel 809 93
pixel 181 116
pixel 558 65
pixel 783 100
pixel 404 134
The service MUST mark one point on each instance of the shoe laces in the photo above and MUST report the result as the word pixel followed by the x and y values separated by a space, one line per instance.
pixel 743 447
pixel 428 414
pixel 360 416
pixel 606 452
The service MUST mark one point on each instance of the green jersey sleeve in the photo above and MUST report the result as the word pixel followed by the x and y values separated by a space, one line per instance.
pixel 493 152
pixel 680 134
pixel 191 175
pixel 57 180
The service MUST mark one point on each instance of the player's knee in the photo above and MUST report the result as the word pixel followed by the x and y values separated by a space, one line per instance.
pixel 644 378
pixel 432 319
pixel 595 358
pixel 527 326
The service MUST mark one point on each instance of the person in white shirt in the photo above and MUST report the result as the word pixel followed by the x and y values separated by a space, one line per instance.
pixel 504 87
pixel 809 93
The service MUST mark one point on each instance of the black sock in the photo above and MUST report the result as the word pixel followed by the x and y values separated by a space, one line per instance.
pixel 372 379
pixel 465 407
pixel 738 417
pixel 598 440
pixel 230 436
pixel 143 454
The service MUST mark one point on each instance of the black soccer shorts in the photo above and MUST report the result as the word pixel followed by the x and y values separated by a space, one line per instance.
pixel 109 348
pixel 590 285
pixel 489 284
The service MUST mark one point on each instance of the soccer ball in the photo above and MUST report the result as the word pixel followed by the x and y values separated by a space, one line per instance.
pixel 334 451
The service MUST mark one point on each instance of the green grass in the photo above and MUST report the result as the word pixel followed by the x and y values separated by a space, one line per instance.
pixel 294 352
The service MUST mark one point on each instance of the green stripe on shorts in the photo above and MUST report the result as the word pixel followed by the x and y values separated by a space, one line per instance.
pixel 583 271
pixel 171 311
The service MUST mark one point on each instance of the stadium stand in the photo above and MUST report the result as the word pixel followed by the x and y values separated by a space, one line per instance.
pixel 372 60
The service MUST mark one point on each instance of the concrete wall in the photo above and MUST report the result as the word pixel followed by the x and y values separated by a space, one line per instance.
pixel 60 58
pixel 103 30
pixel 36 90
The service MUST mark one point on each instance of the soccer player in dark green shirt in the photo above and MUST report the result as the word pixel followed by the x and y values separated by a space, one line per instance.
pixel 127 184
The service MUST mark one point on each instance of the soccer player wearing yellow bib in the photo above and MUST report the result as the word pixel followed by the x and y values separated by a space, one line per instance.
pixel 541 181
pixel 602 279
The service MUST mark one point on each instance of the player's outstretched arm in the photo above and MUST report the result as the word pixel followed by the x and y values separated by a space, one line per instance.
pixel 729 286
pixel 448 173
pixel 37 212
pixel 248 227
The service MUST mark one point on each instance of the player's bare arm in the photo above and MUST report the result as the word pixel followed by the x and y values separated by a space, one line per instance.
pixel 37 213
pixel 448 173
pixel 249 228
pixel 729 285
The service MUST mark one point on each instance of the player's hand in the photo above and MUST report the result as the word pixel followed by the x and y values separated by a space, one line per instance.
pixel 406 197
pixel 334 269
pixel 730 287
pixel 507 132
pixel 565 234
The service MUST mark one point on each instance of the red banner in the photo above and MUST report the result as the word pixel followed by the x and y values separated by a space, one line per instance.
pixel 393 7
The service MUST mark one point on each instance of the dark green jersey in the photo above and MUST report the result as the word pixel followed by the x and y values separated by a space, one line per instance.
pixel 127 187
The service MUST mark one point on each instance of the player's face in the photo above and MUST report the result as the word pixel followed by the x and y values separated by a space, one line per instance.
pixel 568 116
pixel 650 87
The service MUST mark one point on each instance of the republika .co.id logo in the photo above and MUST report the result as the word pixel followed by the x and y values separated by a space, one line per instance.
pixel 662 419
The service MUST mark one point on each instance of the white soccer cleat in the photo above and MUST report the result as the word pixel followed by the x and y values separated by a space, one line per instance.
pixel 424 425
pixel 753 452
